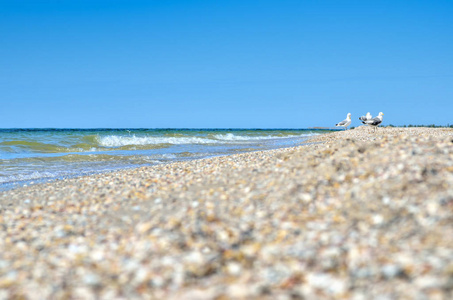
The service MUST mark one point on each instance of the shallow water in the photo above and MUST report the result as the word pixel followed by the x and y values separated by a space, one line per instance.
pixel 35 155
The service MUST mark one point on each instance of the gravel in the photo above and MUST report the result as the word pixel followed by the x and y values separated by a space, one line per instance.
pixel 351 215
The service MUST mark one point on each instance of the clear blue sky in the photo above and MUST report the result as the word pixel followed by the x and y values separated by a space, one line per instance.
pixel 227 64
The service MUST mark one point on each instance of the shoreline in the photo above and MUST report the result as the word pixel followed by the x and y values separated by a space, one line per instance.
pixel 350 214
pixel 70 163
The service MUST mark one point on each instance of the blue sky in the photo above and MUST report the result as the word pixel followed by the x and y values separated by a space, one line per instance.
pixel 224 64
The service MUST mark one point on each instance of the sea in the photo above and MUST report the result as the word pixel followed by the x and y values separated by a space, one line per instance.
pixel 30 156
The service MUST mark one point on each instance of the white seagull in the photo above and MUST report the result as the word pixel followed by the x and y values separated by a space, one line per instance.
pixel 345 123
pixel 366 118
pixel 375 122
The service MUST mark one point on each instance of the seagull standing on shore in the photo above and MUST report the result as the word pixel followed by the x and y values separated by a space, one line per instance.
pixel 366 118
pixel 345 123
pixel 375 122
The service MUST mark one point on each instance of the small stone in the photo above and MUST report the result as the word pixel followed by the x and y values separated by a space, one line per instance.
pixel 391 271
pixel 378 219
pixel 234 268
pixel 92 279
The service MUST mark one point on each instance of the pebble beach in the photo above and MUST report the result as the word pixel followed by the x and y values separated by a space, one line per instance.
pixel 352 214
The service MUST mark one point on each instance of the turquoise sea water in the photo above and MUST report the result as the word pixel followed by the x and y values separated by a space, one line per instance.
pixel 29 156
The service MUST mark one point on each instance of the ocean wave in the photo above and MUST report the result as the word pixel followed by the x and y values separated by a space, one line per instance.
pixel 20 145
pixel 234 137
pixel 94 143
pixel 30 176
pixel 120 141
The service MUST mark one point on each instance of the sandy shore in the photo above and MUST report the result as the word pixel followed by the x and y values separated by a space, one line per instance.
pixel 354 215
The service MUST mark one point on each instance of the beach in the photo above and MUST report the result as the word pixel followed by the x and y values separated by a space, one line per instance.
pixel 352 214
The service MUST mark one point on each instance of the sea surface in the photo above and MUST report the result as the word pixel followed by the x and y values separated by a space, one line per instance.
pixel 29 156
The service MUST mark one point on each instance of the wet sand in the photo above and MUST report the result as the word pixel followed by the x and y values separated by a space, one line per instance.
pixel 353 215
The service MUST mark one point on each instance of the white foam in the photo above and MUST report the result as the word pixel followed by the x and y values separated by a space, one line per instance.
pixel 119 141
pixel 26 177
pixel 234 137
